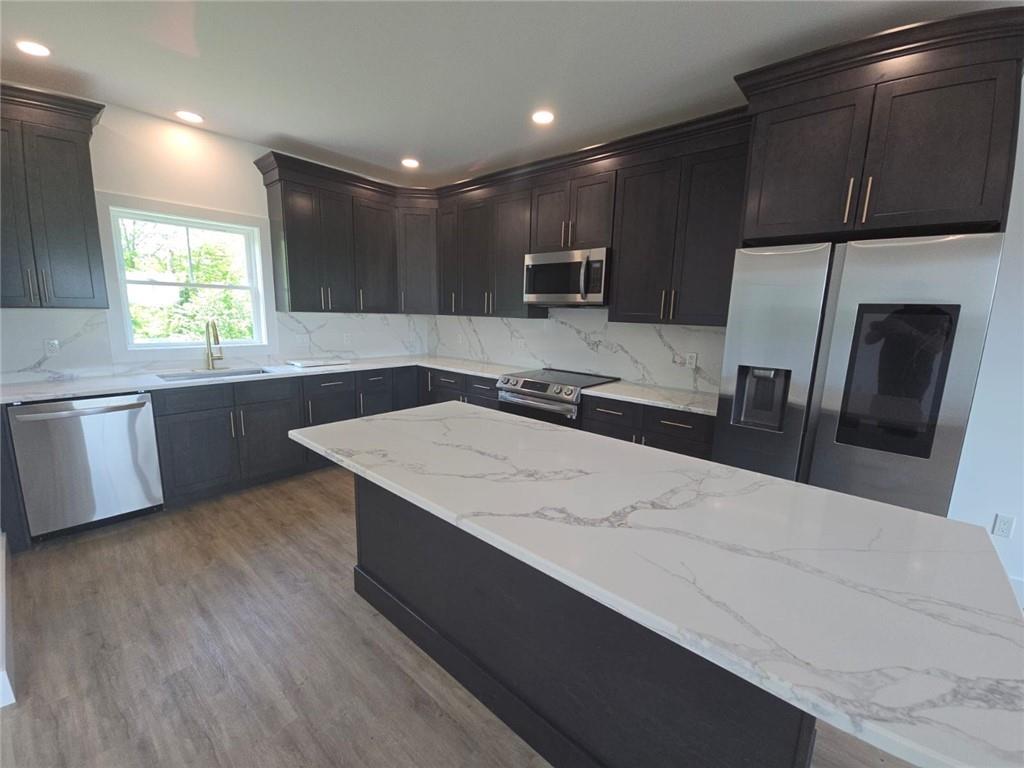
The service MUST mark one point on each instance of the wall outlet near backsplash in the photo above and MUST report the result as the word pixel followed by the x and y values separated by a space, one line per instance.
pixel 51 346
pixel 690 360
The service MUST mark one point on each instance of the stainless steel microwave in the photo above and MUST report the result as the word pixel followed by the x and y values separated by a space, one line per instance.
pixel 566 278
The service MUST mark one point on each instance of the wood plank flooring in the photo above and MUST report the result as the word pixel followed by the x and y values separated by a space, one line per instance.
pixel 227 634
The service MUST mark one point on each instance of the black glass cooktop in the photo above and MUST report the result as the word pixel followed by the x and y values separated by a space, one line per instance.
pixel 565 378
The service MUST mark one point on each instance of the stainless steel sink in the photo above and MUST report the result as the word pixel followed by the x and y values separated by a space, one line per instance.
pixel 215 374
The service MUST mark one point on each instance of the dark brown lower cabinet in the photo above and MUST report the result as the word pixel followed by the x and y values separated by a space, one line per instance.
pixel 198 452
pixel 405 382
pixel 664 428
pixel 264 446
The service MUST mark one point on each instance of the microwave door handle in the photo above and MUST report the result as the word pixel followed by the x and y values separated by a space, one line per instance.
pixel 583 277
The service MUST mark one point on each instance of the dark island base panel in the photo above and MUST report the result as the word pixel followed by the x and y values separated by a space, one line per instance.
pixel 583 685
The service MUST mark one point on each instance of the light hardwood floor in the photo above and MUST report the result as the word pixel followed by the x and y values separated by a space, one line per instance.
pixel 228 634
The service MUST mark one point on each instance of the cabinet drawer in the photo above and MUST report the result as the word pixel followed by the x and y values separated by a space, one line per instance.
pixel 374 381
pixel 609 429
pixel 676 444
pixel 478 385
pixel 610 411
pixel 265 391
pixel 693 427
pixel 324 385
pixel 445 380
pixel 483 401
pixel 189 399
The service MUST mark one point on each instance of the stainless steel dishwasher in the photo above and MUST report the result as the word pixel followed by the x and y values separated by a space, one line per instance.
pixel 84 460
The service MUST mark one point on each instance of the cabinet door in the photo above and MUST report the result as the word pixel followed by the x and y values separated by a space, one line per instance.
pixel 707 235
pixel 265 447
pixel 448 256
pixel 511 243
pixel 18 286
pixel 592 210
pixel 805 167
pixel 940 149
pixel 371 403
pixel 475 257
pixel 336 252
pixel 443 396
pixel 483 402
pixel 609 430
pixel 328 407
pixel 300 285
pixel 406 387
pixel 375 256
pixel 550 218
pixel 198 452
pixel 676 444
pixel 645 224
pixel 417 261
pixel 62 215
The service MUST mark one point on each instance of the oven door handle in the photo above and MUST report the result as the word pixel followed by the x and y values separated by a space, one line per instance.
pixel 583 277
pixel 565 409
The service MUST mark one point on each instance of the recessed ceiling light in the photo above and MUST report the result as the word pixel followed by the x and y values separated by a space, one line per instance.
pixel 188 117
pixel 543 117
pixel 32 49
pixel 410 162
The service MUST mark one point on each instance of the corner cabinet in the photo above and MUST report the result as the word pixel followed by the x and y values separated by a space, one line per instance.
pixel 50 250
pixel 908 132
pixel 375 259
pixel 417 261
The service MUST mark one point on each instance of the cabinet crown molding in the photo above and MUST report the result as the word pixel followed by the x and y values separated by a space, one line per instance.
pixel 982 27
pixel 31 98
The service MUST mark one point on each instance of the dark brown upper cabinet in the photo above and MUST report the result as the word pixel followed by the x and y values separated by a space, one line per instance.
pixel 311 232
pixel 707 235
pixel 591 210
pixel 907 132
pixel 805 166
pixel 549 217
pixel 940 149
pixel 576 213
pixel 374 248
pixel 51 248
pixel 474 237
pixel 510 242
pixel 645 225
pixel 448 260
pixel 417 261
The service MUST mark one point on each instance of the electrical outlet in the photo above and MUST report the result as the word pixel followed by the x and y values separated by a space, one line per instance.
pixel 346 340
pixel 52 346
pixel 690 359
pixel 1003 526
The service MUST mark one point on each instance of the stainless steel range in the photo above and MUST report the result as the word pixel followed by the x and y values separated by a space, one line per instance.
pixel 547 394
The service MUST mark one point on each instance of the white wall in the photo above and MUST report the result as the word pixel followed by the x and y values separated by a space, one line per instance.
pixel 991 474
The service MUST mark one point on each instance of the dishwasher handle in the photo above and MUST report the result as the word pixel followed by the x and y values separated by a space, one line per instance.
pixel 74 413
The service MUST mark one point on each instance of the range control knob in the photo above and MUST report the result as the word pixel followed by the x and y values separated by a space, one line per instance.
pixel 504 380
pixel 567 391
pixel 557 390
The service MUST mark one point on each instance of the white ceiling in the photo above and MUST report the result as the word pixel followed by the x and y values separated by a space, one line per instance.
pixel 360 85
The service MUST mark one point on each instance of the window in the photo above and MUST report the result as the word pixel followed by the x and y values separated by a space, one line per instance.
pixel 177 273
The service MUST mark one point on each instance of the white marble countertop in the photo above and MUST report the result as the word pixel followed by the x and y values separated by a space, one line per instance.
pixel 893 625
pixel 666 397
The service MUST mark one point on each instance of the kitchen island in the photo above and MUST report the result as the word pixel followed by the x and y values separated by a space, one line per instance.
pixel 618 605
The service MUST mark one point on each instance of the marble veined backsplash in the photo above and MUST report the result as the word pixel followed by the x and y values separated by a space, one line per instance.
pixel 584 340
pixel 576 339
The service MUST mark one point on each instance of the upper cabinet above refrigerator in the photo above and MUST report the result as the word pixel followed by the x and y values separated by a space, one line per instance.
pixel 906 133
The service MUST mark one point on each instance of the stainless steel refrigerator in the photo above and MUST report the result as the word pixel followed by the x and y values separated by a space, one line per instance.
pixel 852 366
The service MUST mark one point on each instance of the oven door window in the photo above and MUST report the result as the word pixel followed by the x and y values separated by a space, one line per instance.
pixel 895 377
pixel 559 278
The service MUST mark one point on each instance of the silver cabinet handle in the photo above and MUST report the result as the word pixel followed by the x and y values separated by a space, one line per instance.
pixel 376 378
pixel 447 381
pixel 333 383
pixel 661 312
pixel 609 410
pixel 453 302
pixel 482 386
pixel 633 439
pixel 330 300
pixel 676 424
pixel 322 303
pixel 360 299
pixel 568 240
pixel 643 439
pixel 231 415
pixel 403 301
pixel 33 295
pixel 561 237
pixel 76 412
pixel 309 410
pixel 44 286
pixel 361 409
pixel 485 302
pixel 867 201
pixel 849 197
pixel 241 420
pixel 672 305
